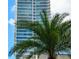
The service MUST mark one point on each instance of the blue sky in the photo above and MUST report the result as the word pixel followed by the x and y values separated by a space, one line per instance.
pixel 11 3
pixel 57 6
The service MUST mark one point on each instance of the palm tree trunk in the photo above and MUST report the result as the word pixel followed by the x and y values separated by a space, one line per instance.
pixel 51 54
pixel 51 57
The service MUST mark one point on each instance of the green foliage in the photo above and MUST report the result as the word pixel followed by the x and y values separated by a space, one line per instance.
pixel 50 36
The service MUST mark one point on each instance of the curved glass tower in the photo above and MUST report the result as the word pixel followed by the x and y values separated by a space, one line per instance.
pixel 29 10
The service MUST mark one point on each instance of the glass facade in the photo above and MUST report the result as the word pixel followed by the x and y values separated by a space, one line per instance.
pixel 38 6
pixel 29 10
pixel 24 12
pixel 24 9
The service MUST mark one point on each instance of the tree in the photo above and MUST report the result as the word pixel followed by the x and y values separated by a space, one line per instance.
pixel 50 36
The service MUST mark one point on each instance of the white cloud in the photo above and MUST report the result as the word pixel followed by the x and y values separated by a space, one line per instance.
pixel 68 17
pixel 60 6
pixel 11 21
pixel 13 9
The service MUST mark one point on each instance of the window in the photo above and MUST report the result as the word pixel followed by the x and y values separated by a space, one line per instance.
pixel 24 2
pixel 24 5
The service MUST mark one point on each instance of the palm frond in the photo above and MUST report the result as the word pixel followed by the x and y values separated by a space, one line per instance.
pixel 24 45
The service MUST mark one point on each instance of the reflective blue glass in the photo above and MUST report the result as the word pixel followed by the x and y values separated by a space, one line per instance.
pixel 30 10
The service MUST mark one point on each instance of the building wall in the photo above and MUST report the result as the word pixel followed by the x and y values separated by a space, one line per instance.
pixel 44 56
pixel 58 57
pixel 63 57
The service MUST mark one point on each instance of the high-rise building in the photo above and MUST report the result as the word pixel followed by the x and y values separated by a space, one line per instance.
pixel 29 10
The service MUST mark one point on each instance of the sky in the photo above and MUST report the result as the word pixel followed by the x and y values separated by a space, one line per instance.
pixel 11 16
pixel 57 6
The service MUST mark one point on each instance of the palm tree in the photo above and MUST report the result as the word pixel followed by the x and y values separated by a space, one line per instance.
pixel 50 36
